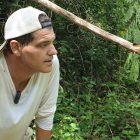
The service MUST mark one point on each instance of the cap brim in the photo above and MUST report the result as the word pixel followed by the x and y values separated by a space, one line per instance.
pixel 2 46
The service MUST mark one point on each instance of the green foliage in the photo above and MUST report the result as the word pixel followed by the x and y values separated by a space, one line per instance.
pixel 132 34
pixel 132 66
pixel 83 116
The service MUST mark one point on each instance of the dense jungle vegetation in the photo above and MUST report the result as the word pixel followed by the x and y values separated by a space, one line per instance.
pixel 99 81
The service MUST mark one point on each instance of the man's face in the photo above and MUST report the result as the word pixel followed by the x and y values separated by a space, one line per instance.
pixel 37 55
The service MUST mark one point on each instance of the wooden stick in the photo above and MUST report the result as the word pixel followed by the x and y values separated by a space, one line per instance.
pixel 88 26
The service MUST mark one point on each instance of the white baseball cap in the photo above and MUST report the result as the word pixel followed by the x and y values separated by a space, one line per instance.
pixel 21 22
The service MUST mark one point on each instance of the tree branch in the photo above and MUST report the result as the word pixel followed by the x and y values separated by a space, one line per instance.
pixel 88 26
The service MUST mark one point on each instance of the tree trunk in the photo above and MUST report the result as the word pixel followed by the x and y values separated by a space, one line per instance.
pixel 88 26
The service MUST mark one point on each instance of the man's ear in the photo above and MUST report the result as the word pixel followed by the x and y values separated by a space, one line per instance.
pixel 15 47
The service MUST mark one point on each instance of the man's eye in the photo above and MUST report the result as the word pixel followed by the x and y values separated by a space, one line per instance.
pixel 44 45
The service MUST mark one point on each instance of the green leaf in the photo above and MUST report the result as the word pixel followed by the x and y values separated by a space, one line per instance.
pixel 73 125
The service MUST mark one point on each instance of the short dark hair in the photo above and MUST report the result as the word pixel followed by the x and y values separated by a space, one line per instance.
pixel 26 39
pixel 23 40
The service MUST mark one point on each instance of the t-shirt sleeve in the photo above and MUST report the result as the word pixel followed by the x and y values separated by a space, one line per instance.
pixel 45 113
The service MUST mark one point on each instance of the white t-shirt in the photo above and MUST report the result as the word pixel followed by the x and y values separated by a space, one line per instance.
pixel 37 99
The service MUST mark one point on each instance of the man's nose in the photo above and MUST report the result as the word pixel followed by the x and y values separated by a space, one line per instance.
pixel 52 50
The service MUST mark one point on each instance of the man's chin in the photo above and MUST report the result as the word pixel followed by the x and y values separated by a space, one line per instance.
pixel 47 70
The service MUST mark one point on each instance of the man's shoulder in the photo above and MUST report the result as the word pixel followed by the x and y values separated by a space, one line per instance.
pixel 55 65
pixel 55 59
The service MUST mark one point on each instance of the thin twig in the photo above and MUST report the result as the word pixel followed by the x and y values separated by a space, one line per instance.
pixel 80 56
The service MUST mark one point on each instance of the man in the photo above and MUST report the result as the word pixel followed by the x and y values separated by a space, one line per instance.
pixel 29 75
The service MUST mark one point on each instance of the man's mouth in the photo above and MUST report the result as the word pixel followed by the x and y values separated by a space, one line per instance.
pixel 48 62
